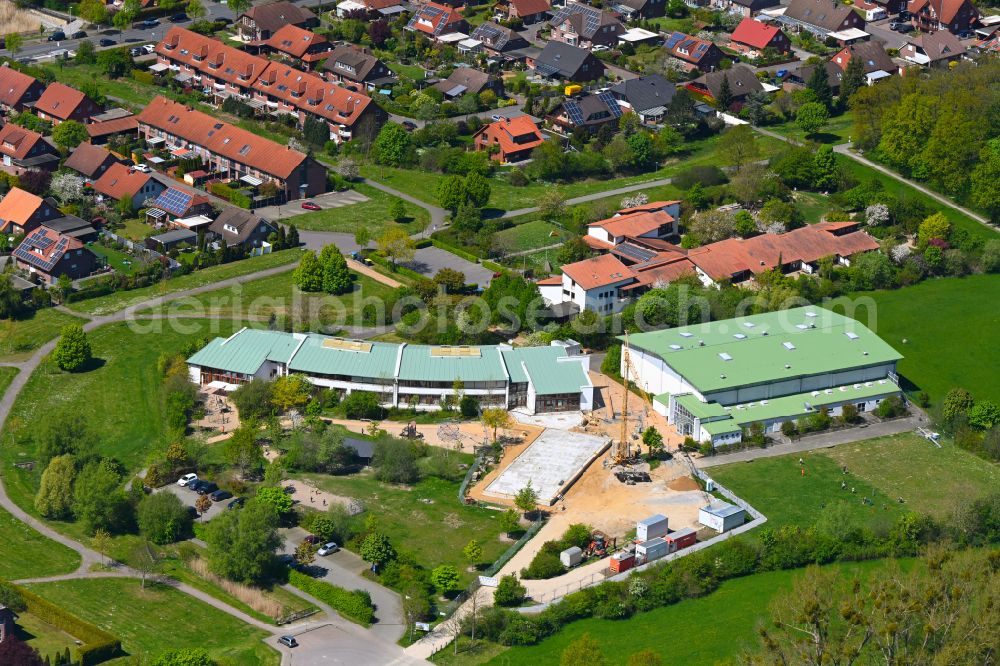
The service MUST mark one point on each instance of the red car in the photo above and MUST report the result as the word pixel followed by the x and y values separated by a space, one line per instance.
pixel 313 539
pixel 309 205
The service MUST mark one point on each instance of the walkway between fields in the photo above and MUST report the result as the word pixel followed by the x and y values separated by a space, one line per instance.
pixel 627 189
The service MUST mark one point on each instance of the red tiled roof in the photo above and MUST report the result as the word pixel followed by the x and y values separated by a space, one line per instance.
pixel 754 33
pixel 13 85
pixel 648 207
pixel 59 101
pixel 44 248
pixel 308 92
pixel 635 224
pixel 550 281
pixel 944 9
pixel 116 126
pixel 16 142
pixel 295 41
pixel 120 180
pixel 598 272
pixel 691 49
pixel 664 272
pixel 230 142
pixel 440 16
pixel 597 243
pixel 17 207
pixel 503 132
pixel 211 57
pixel 530 7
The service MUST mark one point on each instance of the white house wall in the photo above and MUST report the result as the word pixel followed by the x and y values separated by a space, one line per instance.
pixel 655 376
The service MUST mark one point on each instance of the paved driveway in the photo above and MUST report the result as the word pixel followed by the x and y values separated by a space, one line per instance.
pixel 330 644
pixel 429 260
pixel 324 201
pixel 189 497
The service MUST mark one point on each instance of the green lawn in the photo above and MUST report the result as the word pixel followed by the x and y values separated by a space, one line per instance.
pixel 48 639
pixel 257 300
pixel 122 262
pixel 812 205
pixel 949 328
pixel 156 619
pixel 837 130
pixel 7 375
pixel 121 397
pixel 24 553
pixel 136 230
pixel 126 89
pixel 103 305
pixel 373 214
pixel 714 629
pixel 20 336
pixel 434 532
pixel 530 235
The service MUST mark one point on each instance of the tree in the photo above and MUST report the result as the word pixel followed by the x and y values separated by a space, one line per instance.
pixel 826 172
pixel 645 658
pixel 101 542
pixel 64 433
pixel 526 499
pixel 203 504
pixel 308 276
pixel 145 560
pixel 853 79
pixel 472 552
pixel 819 84
pixel 69 134
pixel 290 392
pixel 238 6
pixel 55 493
pixel 379 31
pixel 377 549
pixel 67 186
pixel 16 652
pixel 510 521
pixel 241 544
pixel 305 553
pixel 738 146
pixel 395 462
pixel 452 193
pixel 253 399
pixel 984 415
pixel 362 405
pixel 653 439
pixel 812 117
pixel 873 270
pixel 477 189
pixel 275 498
pixel 98 501
pixel 397 211
pixel 163 518
pixel 573 250
pixel 11 597
pixel 72 351
pixel 243 450
pixel 744 224
pixel 724 100
pixel 497 418
pixel 184 657
pixel 11 303
pixel 711 226
pixel 14 41
pixel 453 281
pixel 445 578
pixel 552 204
pixel 395 244
pixel 392 145
pixel 195 9
pixel 128 13
pixel 509 591
pixel 985 180
pixel 935 227
pixel 584 650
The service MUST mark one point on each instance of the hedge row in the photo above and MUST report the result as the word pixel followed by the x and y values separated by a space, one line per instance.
pixel 464 254
pixel 98 645
pixel 230 194
pixel 354 605
pixel 401 270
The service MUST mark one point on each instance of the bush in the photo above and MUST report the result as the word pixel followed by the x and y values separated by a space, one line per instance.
pixel 362 405
pixel 354 605
pixel 509 591
pixel 890 407
pixel 143 77
pixel 545 564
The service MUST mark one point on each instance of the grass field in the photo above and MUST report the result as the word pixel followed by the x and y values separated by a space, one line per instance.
pixel 155 619
pixel 26 553
pixel 531 235
pixel 103 305
pixel 137 230
pixel 837 130
pixel 714 629
pixel 373 214
pixel 18 337
pixel 7 375
pixel 933 317
pixel 813 205
pixel 121 397
pixel 259 299
pixel 434 532
pixel 116 259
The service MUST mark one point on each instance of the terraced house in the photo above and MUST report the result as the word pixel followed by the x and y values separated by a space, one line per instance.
pixel 534 379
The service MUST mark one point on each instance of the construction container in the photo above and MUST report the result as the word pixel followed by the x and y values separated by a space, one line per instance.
pixel 681 539
pixel 653 527
pixel 721 516
pixel 572 89
pixel 571 557
pixel 651 550
pixel 622 561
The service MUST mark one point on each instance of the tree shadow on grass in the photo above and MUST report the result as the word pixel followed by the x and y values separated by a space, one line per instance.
pixel 93 363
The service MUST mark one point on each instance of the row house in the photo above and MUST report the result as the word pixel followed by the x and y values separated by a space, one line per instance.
pixel 298 46
pixel 207 63
pixel 18 90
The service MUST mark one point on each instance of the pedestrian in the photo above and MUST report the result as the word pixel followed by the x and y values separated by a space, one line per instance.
pixel 324 501
pixel 843 485
pixel 312 500
pixel 803 470
pixel 800 461
pixel 852 490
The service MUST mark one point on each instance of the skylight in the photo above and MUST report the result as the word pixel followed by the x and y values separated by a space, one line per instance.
pixel 788 345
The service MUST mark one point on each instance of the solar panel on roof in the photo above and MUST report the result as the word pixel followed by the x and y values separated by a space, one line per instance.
pixel 574 112
pixel 173 201
pixel 674 38
pixel 610 101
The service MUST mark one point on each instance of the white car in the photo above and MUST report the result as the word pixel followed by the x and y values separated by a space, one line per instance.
pixel 142 168
pixel 149 48
pixel 328 548
pixel 186 479
pixel 597 48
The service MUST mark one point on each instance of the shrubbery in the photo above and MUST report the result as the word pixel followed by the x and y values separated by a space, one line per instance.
pixel 355 605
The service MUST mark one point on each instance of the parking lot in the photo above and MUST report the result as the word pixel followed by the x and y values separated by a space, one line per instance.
pixel 429 260
pixel 189 497
pixel 324 201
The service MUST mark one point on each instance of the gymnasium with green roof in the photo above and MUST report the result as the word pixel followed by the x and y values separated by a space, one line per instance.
pixel 715 379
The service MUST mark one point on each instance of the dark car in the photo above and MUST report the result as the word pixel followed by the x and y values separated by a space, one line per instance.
pixel 313 539
pixel 57 36
pixel 409 126
pixel 220 495
pixel 149 23
pixel 107 42
pixel 135 52
pixel 179 18
pixel 207 488
pixel 79 34
pixel 194 485
pixel 237 503
pixel 193 512
pixel 288 641
pixel 289 490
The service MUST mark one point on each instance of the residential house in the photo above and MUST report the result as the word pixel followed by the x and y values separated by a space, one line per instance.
pixel 497 39
pixel 822 17
pixel 645 96
pixel 436 20
pixel 176 203
pixel 654 220
pixel 527 11
pixel 48 255
pixel 258 23
pixel 877 63
pixel 120 181
pixel 514 139
pixel 207 63
pixel 355 68
pixel 745 8
pixel 102 132
pixel 467 80
pixel 299 46
pixel 742 80
pixel 596 283
pixel 633 10
pixel 18 90
pixel 7 620
pixel 23 150
pixel 696 53
pixel 798 78
pixel 955 16
pixel 936 49
pixel 60 103
pixel 562 62
pixel 233 152
pixel 22 212
pixel 241 228
pixel 585 27
pixel 588 110
pixel 348 114
pixel 751 35
pixel 72 226
pixel 90 161
pixel 369 8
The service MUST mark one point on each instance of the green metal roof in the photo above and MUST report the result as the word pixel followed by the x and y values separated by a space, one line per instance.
pixel 314 357
pixel 754 350
pixel 558 377
pixel 663 399
pixel 419 364
pixel 245 351
pixel 529 355
pixel 699 409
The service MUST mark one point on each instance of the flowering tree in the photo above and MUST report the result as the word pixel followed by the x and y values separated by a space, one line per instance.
pixel 67 187
pixel 634 201
pixel 877 215
pixel 900 253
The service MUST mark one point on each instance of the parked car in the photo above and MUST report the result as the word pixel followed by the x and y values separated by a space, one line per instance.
pixel 309 205
pixel 79 34
pixel 107 42
pixel 965 34
pixel 179 18
pixel 149 23
pixel 328 548
pixel 220 495
pixel 409 126
pixel 237 503
pixel 57 36
pixel 142 168
pixel 312 538
pixel 135 52
pixel 195 485
pixel 149 48
pixel 289 490
pixel 597 48
pixel 187 479
pixel 288 641
pixel 206 488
